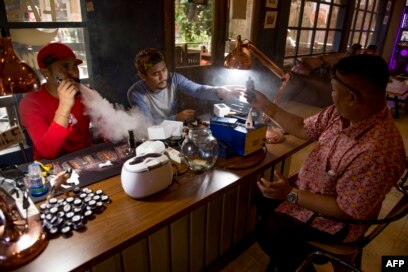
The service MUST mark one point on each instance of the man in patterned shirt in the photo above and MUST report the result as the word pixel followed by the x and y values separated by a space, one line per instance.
pixel 358 157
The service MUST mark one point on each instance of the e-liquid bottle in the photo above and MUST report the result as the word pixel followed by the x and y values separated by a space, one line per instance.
pixel 37 187
pixel 250 87
pixel 131 150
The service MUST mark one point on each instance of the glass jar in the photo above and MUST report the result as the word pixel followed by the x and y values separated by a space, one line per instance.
pixel 200 149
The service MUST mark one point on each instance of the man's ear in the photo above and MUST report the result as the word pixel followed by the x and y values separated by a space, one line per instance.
pixel 141 76
pixel 45 72
pixel 354 98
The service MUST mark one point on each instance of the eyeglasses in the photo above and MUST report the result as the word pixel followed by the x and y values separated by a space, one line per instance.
pixel 354 90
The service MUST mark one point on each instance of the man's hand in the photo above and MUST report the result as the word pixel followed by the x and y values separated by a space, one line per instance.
pixel 230 91
pixel 186 115
pixel 275 189
pixel 259 100
pixel 66 93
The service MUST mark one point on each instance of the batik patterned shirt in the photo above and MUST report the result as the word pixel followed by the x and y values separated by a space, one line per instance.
pixel 357 164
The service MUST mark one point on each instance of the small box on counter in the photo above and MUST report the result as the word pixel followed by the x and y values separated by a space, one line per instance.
pixel 165 130
pixel 234 138
pixel 221 110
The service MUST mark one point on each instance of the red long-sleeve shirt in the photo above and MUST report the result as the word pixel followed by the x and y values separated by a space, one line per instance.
pixel 51 140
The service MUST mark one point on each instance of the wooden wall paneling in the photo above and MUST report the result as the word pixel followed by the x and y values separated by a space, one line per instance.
pixel 251 217
pixel 135 257
pixel 112 264
pixel 197 238
pixel 159 250
pixel 241 214
pixel 179 244
pixel 213 230
pixel 228 218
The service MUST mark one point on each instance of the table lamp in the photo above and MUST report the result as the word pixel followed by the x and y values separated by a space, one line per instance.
pixel 239 58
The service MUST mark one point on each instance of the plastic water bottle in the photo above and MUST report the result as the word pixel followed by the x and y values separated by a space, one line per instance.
pixel 37 187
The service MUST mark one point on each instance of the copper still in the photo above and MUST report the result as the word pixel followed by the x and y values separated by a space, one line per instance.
pixel 21 239
pixel 15 75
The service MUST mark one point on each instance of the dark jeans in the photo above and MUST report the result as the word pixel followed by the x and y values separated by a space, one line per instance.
pixel 284 238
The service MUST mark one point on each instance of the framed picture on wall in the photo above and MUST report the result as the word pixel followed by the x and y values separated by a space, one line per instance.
pixel 270 19
pixel 271 3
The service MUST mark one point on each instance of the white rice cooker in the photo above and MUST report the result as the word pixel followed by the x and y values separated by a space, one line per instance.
pixel 146 174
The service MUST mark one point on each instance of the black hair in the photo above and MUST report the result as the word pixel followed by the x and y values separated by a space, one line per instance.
pixel 48 60
pixel 372 47
pixel 372 69
pixel 146 58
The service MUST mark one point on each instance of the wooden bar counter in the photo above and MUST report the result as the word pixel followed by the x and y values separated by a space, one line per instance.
pixel 186 227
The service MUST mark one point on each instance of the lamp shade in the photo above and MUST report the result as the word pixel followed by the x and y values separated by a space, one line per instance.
pixel 15 75
pixel 238 58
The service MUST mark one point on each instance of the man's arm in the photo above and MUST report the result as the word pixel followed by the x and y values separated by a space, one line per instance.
pixel 186 86
pixel 135 99
pixel 319 203
pixel 291 123
pixel 48 138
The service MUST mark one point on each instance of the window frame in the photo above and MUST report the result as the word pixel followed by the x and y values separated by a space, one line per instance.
pixel 345 26
pixel 367 30
pixel 4 23
pixel 52 25
pixel 220 15
pixel 342 16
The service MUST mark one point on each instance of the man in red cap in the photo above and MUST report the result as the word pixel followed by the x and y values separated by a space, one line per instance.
pixel 54 115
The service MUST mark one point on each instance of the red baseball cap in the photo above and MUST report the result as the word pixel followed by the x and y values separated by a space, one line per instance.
pixel 53 52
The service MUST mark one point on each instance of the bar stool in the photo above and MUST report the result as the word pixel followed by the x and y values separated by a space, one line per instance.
pixel 351 253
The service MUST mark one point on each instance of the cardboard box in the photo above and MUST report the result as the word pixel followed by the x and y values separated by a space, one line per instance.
pixel 231 133
pixel 165 130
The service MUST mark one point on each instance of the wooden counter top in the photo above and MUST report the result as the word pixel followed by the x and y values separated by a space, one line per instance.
pixel 126 220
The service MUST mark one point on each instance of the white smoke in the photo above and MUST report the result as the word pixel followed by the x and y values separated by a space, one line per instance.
pixel 112 122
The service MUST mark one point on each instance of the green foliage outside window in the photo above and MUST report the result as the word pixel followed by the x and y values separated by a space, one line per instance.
pixel 193 23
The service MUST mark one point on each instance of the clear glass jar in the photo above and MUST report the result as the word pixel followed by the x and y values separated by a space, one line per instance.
pixel 200 149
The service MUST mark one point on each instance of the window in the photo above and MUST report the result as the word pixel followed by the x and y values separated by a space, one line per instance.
pixel 365 17
pixel 193 32
pixel 240 22
pixel 46 21
pixel 32 24
pixel 314 27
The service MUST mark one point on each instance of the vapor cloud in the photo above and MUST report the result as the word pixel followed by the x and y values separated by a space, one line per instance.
pixel 112 121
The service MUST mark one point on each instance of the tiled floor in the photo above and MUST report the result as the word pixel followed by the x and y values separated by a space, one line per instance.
pixel 392 241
